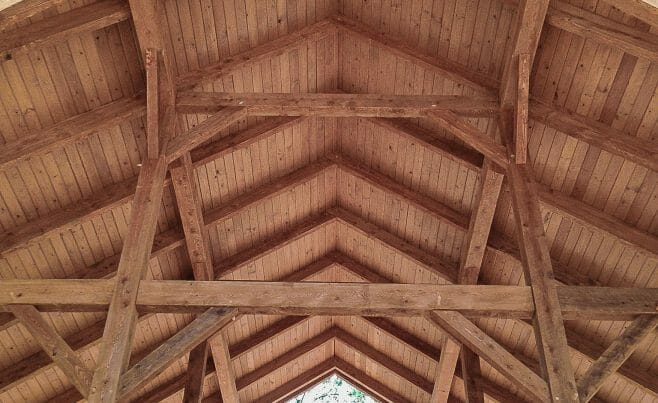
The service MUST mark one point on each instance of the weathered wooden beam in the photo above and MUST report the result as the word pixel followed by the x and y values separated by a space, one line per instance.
pixel 467 333
pixel 603 30
pixel 640 9
pixel 479 228
pixel 265 297
pixel 200 329
pixel 445 371
pixel 192 219
pixel 221 120
pixel 525 39
pixel 338 105
pixel 198 249
pixel 615 355
pixel 55 346
pixel 24 9
pixel 122 315
pixel 224 368
pixel 548 319
pixel 195 373
pixel 641 151
pixel 521 106
pixel 472 376
pixel 62 27
pixel 471 136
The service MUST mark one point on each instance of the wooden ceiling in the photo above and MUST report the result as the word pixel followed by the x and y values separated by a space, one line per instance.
pixel 491 144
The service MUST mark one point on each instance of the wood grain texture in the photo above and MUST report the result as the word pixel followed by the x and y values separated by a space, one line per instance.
pixel 122 316
pixel 63 26
pixel 615 355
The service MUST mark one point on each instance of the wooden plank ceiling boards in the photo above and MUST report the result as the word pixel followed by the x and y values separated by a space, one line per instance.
pixel 438 200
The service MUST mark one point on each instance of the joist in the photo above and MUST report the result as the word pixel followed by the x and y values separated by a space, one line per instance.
pixel 224 368
pixel 472 376
pixel 68 361
pixel 587 215
pixel 122 192
pixel 445 371
pixel 470 135
pixel 635 149
pixel 122 316
pixel 640 9
pixel 465 332
pixel 615 355
pixel 71 130
pixel 204 131
pixel 22 10
pixel 337 105
pixel 525 40
pixel 382 359
pixel 611 303
pixel 452 70
pixel 198 250
pixel 603 30
pixel 276 47
pixel 62 27
pixel 536 260
pixel 479 227
pixel 201 328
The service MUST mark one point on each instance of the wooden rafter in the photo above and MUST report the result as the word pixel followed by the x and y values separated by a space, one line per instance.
pixel 122 316
pixel 548 319
pixel 224 368
pixel 446 370
pixel 121 321
pixel 62 27
pixel 467 333
pixel 604 30
pixel 615 355
pixel 55 346
pixel 22 10
pixel 639 9
pixel 201 328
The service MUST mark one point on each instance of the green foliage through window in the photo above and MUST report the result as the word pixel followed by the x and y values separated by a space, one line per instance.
pixel 333 389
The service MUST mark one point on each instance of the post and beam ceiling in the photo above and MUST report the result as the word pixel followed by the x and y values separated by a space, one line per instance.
pixel 118 285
